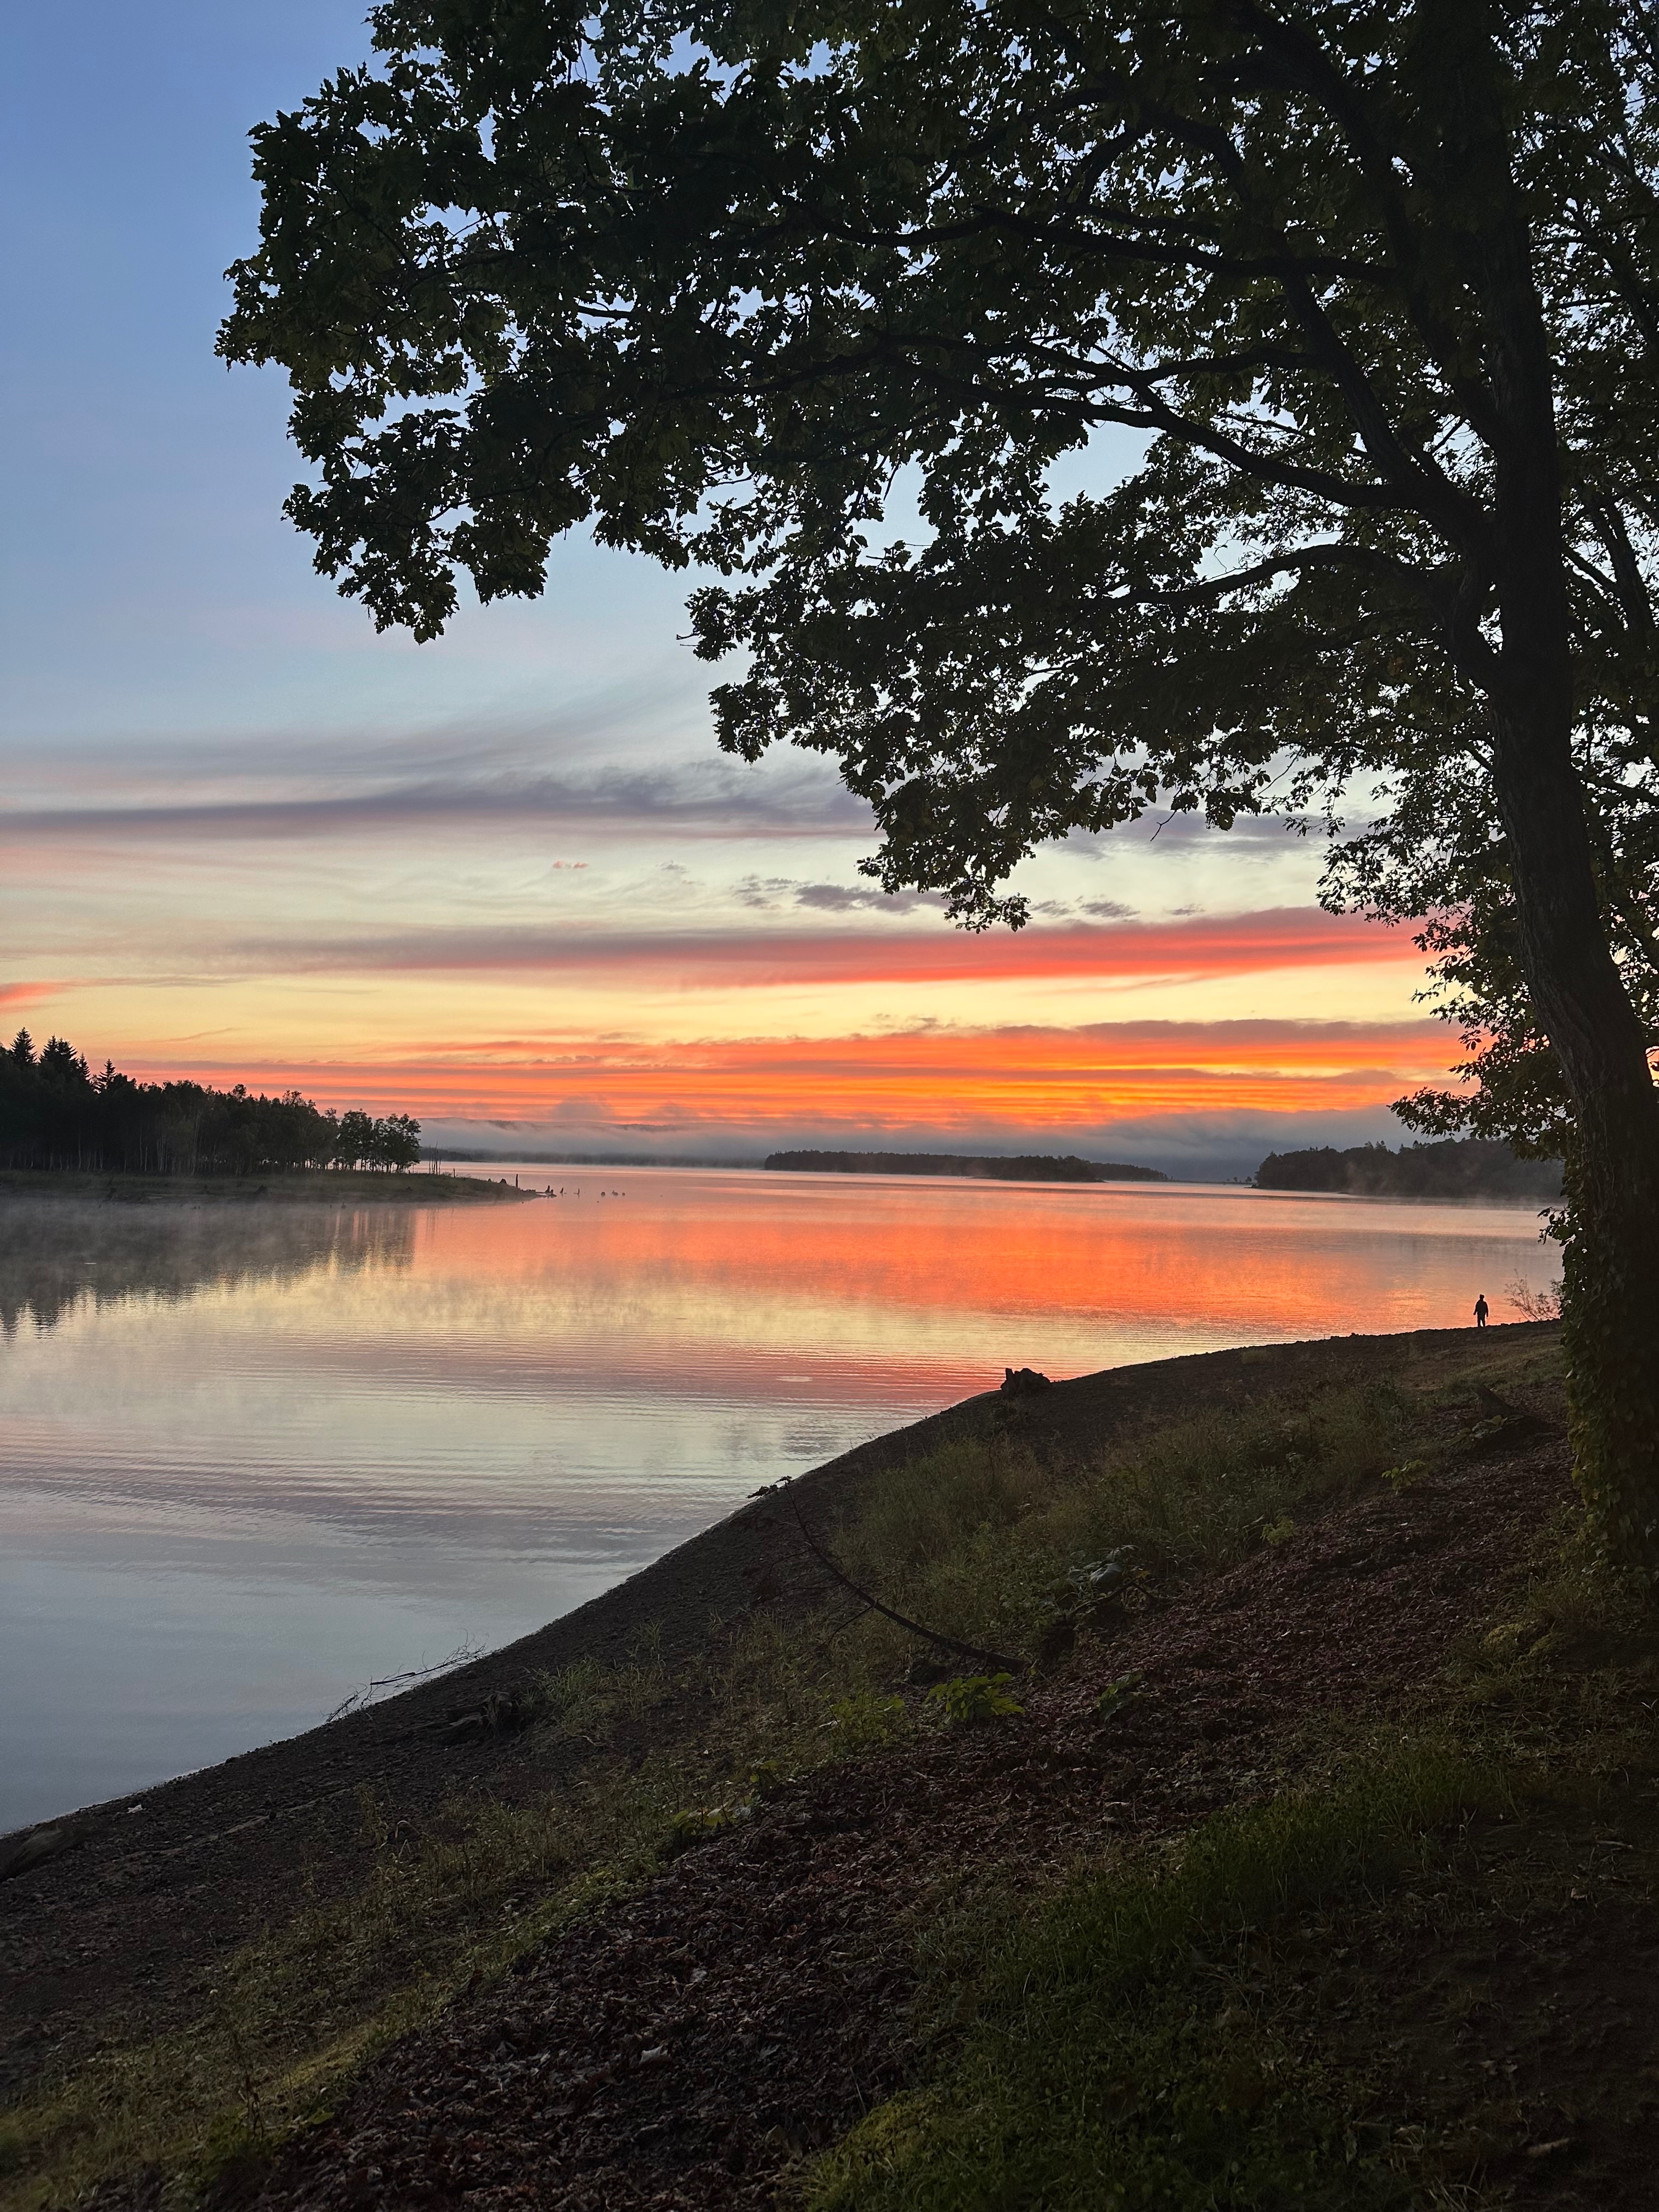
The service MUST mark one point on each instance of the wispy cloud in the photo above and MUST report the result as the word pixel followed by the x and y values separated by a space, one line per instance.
pixel 716 796
pixel 1199 947
pixel 777 894
pixel 844 898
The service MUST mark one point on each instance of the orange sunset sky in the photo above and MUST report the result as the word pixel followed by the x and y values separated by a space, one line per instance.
pixel 550 939
pixel 503 881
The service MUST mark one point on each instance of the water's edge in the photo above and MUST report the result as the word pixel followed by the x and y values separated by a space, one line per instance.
pixel 754 1556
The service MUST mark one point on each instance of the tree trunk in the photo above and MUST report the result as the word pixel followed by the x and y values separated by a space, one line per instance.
pixel 1611 1292
pixel 1611 1289
pixel 1610 1305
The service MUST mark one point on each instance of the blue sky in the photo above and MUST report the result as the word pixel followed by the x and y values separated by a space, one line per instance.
pixel 151 582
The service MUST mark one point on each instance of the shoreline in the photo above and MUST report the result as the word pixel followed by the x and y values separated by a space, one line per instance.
pixel 213 1852
pixel 756 1543
pixel 421 1187
pixel 117 1932
pixel 319 1186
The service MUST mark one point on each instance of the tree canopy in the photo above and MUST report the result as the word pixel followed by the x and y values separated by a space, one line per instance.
pixel 55 1112
pixel 727 282
pixel 1472 1169
pixel 1233 405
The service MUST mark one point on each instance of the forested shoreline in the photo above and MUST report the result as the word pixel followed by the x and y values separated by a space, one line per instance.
pixel 55 1112
pixel 1471 1167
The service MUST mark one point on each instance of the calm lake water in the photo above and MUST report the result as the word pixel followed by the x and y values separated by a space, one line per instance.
pixel 251 1459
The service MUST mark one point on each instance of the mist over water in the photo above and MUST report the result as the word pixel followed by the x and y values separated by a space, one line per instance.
pixel 254 1456
pixel 57 1257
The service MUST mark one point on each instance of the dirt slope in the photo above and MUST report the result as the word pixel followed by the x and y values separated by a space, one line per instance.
pixel 679 2049
pixel 127 1924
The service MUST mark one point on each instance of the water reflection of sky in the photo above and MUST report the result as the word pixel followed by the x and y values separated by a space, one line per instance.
pixel 251 1459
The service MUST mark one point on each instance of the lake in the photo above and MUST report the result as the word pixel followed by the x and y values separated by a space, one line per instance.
pixel 253 1459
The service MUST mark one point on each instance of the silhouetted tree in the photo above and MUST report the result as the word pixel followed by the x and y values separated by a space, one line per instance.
pixel 54 1113
pixel 774 287
pixel 356 1139
pixel 397 1143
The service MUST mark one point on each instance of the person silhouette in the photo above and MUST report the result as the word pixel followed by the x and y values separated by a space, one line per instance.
pixel 1481 1309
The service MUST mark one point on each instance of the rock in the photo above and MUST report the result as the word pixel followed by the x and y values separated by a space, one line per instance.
pixel 35 1849
pixel 1023 1381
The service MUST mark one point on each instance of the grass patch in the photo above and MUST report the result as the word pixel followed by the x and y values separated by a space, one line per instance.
pixel 984 1542
pixel 294 2013
pixel 1399 1983
pixel 1122 2054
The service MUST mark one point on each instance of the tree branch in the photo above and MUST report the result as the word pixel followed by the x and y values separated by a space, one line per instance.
pixel 929 1634
pixel 1370 559
pixel 1309 67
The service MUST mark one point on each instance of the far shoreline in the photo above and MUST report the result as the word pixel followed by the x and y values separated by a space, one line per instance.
pixel 325 1186
pixel 424 1187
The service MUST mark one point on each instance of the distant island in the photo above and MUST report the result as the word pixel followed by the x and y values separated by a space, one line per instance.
pixel 1456 1168
pixel 985 1167
pixel 518 1156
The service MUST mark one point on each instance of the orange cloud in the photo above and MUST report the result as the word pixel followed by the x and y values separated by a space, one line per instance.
pixel 1026 1077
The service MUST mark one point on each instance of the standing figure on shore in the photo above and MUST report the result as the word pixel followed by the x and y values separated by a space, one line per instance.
pixel 1481 1309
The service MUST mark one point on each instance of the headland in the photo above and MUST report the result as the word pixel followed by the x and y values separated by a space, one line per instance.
pixel 303 1186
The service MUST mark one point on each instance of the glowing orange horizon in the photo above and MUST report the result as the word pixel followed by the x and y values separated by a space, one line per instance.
pixel 1029 1076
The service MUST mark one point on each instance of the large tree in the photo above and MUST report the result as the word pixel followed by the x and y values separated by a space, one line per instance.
pixel 1373 290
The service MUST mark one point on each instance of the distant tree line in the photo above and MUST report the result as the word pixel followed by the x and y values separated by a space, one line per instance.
pixel 56 1113
pixel 1026 1168
pixel 1473 1169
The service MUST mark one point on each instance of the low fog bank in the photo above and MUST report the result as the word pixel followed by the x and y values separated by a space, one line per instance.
pixel 56 1254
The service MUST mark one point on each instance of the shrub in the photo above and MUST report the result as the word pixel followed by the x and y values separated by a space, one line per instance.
pixel 968 1699
pixel 984 1544
pixel 1410 1474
